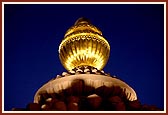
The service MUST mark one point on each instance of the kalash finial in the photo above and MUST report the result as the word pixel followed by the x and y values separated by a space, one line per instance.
pixel 84 45
pixel 82 20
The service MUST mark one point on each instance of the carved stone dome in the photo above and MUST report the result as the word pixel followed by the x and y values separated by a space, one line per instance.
pixel 84 81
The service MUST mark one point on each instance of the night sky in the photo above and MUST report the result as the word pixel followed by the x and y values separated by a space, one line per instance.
pixel 32 34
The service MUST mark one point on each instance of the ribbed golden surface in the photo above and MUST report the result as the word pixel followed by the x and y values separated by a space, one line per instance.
pixel 84 44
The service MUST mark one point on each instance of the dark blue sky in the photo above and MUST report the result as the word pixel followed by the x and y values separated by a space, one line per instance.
pixel 32 35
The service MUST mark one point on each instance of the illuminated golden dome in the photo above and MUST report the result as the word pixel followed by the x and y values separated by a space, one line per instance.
pixel 84 45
